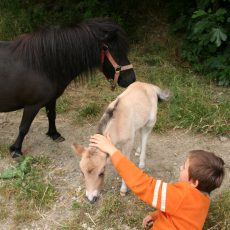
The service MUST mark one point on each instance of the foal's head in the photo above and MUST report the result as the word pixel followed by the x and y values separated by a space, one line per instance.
pixel 92 166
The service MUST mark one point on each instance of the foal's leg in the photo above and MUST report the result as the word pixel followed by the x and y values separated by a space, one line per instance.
pixel 28 116
pixel 126 150
pixel 51 114
pixel 145 131
pixel 138 150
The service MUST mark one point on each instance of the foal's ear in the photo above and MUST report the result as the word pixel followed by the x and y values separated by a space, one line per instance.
pixel 78 149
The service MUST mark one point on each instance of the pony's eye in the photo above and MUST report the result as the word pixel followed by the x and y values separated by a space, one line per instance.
pixel 101 174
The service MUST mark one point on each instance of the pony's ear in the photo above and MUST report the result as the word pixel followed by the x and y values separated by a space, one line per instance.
pixel 109 35
pixel 78 149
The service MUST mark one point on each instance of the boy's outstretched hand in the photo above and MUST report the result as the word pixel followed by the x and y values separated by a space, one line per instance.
pixel 103 143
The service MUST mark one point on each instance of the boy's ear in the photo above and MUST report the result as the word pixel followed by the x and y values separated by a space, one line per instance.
pixel 78 149
pixel 194 183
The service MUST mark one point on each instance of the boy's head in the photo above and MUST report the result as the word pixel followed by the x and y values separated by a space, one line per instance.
pixel 203 169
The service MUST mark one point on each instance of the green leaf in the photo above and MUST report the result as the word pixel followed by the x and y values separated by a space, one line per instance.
pixel 198 13
pixel 11 173
pixel 20 170
pixel 218 36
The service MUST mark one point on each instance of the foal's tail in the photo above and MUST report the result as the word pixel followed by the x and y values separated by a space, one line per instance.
pixel 163 95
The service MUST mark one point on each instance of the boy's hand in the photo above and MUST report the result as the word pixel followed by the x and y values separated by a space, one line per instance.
pixel 103 143
pixel 148 221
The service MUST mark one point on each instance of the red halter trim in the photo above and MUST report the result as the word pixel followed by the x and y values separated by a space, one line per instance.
pixel 117 68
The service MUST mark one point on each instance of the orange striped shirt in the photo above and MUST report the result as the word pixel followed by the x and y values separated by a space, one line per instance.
pixel 180 206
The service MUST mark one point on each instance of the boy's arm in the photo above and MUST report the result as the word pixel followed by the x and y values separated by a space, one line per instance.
pixel 140 183
pixel 154 192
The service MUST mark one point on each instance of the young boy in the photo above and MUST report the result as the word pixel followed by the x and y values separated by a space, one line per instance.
pixel 183 205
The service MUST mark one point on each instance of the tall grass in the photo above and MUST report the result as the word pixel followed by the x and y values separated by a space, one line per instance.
pixel 196 103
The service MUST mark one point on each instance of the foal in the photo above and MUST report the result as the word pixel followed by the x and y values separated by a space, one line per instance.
pixel 133 110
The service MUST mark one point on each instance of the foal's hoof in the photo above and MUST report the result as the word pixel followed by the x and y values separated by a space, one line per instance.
pixel 141 165
pixel 122 193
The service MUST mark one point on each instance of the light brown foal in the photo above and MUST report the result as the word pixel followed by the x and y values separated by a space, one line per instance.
pixel 133 110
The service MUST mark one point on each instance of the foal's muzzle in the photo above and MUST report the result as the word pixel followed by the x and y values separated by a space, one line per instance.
pixel 92 196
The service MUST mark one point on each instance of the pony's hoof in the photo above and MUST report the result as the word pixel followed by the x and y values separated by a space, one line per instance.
pixel 56 137
pixel 15 155
pixel 59 139
pixel 122 193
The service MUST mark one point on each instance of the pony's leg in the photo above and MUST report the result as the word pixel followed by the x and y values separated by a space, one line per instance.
pixel 51 114
pixel 28 116
pixel 126 150
pixel 145 131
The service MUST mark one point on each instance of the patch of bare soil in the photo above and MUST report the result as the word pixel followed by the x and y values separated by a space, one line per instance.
pixel 165 153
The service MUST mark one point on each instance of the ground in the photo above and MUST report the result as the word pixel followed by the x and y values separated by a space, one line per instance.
pixel 165 152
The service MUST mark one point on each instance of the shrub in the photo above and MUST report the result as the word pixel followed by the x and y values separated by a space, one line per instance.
pixel 207 44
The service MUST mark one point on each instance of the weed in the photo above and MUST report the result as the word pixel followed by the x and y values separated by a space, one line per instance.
pixel 31 191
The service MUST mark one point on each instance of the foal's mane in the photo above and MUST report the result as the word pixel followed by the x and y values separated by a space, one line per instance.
pixel 67 52
pixel 107 116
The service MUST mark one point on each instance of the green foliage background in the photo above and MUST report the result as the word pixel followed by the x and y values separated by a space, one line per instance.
pixel 203 25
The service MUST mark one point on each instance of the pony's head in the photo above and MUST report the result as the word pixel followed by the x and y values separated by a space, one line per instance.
pixel 121 73
pixel 92 166
pixel 114 50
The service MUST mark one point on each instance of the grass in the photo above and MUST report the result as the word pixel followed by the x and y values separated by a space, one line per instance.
pixel 63 104
pixel 3 151
pixel 111 212
pixel 4 212
pixel 89 112
pixel 33 191
pixel 196 104
pixel 219 213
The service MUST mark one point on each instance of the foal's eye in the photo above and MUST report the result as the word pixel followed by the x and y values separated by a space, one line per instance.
pixel 101 174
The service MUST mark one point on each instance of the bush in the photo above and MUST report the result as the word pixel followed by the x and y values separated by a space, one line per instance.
pixel 207 44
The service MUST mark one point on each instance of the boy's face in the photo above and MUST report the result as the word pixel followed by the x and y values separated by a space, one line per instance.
pixel 184 176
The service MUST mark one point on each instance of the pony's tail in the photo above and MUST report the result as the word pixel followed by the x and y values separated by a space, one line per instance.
pixel 163 95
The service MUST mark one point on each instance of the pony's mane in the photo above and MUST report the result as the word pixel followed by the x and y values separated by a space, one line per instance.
pixel 68 52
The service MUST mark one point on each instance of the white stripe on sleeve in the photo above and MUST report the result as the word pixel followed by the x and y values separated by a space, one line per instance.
pixel 163 196
pixel 156 191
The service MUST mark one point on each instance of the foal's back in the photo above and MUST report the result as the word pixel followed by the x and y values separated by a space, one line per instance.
pixel 131 110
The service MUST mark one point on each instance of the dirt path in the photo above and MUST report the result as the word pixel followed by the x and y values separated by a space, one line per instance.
pixel 165 152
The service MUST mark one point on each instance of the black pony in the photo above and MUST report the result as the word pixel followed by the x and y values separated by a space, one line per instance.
pixel 36 68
